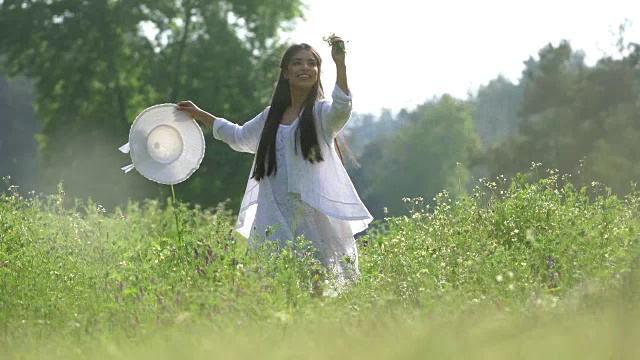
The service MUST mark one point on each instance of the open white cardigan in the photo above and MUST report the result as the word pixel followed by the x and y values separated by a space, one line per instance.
pixel 324 185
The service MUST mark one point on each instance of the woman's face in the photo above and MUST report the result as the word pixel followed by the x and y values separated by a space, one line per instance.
pixel 302 71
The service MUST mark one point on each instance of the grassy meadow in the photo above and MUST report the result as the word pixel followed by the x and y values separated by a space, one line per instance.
pixel 520 268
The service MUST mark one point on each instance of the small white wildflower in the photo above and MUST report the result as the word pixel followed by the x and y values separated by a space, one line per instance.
pixel 499 278
pixel 530 235
pixel 510 274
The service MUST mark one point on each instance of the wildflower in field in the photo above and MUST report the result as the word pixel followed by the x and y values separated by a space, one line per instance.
pixel 530 235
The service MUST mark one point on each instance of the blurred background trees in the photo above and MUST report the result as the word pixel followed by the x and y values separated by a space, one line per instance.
pixel 580 120
pixel 94 65
pixel 74 75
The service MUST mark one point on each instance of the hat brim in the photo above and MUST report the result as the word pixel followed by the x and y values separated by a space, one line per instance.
pixel 193 149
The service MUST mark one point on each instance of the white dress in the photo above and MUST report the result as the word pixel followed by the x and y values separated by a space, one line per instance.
pixel 331 237
pixel 316 200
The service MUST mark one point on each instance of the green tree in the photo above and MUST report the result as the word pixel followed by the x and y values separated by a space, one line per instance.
pixel 95 69
pixel 614 159
pixel 570 112
pixel 426 156
pixel 17 143
pixel 547 128
pixel 496 114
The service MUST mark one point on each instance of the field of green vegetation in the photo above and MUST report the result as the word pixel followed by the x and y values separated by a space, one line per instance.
pixel 521 268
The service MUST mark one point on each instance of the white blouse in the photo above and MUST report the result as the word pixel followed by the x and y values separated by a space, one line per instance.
pixel 323 187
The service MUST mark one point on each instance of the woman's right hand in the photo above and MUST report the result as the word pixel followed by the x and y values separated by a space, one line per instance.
pixel 196 113
pixel 191 109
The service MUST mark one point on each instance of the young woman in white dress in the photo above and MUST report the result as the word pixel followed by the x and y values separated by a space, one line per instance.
pixel 298 184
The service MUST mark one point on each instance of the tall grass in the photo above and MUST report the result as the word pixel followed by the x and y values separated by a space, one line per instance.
pixel 515 264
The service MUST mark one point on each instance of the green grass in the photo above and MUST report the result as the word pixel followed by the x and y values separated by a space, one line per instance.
pixel 521 268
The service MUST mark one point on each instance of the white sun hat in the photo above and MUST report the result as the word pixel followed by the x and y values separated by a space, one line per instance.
pixel 166 145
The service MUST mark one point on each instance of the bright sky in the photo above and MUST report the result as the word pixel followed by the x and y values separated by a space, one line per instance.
pixel 403 52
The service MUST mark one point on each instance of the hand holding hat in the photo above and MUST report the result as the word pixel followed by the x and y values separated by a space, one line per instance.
pixel 196 113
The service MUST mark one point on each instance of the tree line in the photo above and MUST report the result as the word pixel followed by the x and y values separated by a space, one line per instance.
pixel 572 118
pixel 91 67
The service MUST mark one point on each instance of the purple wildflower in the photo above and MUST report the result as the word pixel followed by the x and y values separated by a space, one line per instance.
pixel 551 263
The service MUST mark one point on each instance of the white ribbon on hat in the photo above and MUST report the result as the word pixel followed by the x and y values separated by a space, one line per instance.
pixel 125 150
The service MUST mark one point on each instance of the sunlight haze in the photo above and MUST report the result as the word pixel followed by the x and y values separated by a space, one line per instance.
pixel 402 53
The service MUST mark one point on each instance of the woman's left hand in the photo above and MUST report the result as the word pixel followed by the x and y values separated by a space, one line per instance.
pixel 338 55
pixel 337 49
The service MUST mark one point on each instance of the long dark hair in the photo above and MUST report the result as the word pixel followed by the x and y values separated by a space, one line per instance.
pixel 306 133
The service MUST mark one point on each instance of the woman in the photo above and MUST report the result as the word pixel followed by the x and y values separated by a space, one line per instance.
pixel 298 185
